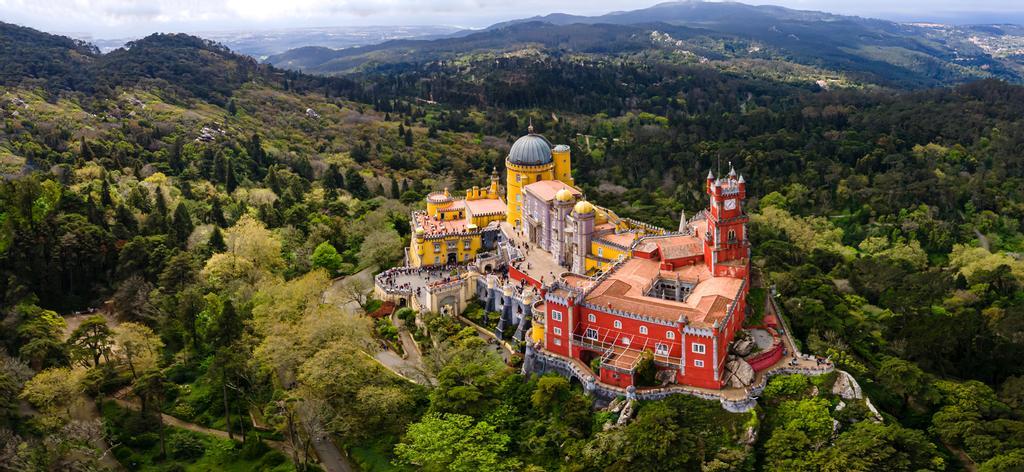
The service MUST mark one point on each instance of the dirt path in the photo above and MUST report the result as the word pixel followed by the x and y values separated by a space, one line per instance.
pixel 85 410
pixel 178 423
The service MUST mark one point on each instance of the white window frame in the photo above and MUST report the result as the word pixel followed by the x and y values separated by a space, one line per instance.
pixel 437 248
pixel 617 324
pixel 661 349
pixel 557 331
pixel 590 333
pixel 670 334
pixel 592 318
pixel 643 329
pixel 558 341
pixel 625 340
pixel 698 363
pixel 698 348
pixel 556 315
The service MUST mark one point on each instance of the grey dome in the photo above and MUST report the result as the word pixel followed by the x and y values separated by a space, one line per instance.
pixel 530 150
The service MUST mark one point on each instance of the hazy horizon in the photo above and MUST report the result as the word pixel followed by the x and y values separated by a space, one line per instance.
pixel 117 19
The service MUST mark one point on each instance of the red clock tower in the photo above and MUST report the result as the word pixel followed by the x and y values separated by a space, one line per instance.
pixel 726 246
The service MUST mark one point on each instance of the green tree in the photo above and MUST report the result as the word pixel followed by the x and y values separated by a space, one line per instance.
pixel 452 442
pixel 91 340
pixel 41 334
pixel 326 257
pixel 182 226
pixel 54 389
pixel 216 242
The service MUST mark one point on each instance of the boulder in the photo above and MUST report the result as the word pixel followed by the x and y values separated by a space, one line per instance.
pixel 739 374
pixel 846 387
pixel 743 347
pixel 627 413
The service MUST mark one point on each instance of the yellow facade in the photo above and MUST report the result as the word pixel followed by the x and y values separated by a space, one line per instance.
pixel 607 251
pixel 563 163
pixel 517 178
pixel 435 250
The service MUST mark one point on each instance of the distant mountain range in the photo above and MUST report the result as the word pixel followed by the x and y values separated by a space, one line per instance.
pixel 721 33
pixel 263 43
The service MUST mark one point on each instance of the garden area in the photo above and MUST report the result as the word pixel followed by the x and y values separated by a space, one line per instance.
pixel 143 445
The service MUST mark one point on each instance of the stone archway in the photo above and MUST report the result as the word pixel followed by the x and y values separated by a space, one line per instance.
pixel 450 304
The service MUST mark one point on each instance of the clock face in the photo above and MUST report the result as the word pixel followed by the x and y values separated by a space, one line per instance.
pixel 730 204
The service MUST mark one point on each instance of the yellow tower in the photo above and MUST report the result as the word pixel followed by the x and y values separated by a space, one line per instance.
pixel 528 161
pixel 563 163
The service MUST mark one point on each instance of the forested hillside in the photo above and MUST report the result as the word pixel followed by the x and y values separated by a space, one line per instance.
pixel 205 202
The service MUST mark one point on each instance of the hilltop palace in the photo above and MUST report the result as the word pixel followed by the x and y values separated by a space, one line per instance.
pixel 587 293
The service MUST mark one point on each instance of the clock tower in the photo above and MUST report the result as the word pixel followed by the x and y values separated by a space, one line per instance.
pixel 726 246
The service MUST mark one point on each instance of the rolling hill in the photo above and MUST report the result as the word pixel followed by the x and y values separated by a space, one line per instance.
pixel 868 50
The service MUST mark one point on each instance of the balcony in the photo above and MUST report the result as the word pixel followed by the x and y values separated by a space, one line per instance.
pixel 610 343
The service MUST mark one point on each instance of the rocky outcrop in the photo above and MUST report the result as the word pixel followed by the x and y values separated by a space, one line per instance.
pixel 846 387
pixel 738 373
pixel 743 347
pixel 626 414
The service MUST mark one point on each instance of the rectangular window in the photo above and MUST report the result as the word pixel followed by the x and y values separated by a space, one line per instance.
pixel 556 315
pixel 466 244
pixel 558 341
pixel 643 329
pixel 437 247
pixel 698 348
pixel 591 333
pixel 661 349
pixel 698 363
pixel 519 177
pixel 600 252
pixel 557 331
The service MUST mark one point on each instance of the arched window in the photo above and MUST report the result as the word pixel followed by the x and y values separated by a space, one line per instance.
pixel 617 324
pixel 732 235
pixel 643 329
pixel 592 318
pixel 625 341
pixel 670 334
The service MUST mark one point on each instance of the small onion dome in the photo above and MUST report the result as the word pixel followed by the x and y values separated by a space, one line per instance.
pixel 419 230
pixel 563 195
pixel 530 150
pixel 583 207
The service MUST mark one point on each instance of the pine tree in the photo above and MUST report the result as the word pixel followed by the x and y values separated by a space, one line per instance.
pixel 401 130
pixel 217 213
pixel 408 138
pixel 105 199
pixel 232 108
pixel 395 193
pixel 355 184
pixel 174 160
pixel 230 180
pixel 216 242
pixel 181 227
pixel 85 151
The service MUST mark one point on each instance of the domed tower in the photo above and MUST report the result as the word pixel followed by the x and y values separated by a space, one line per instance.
pixel 583 215
pixel 528 161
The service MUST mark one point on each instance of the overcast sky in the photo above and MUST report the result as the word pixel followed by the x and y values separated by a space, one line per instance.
pixel 121 18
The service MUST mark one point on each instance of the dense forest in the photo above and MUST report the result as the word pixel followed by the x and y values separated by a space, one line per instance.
pixel 173 216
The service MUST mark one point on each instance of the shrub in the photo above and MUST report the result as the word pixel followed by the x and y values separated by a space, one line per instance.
pixel 185 446
pixel 184 411
pixel 407 315
pixel 786 386
pixel 272 459
pixel 253 448
pixel 144 440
